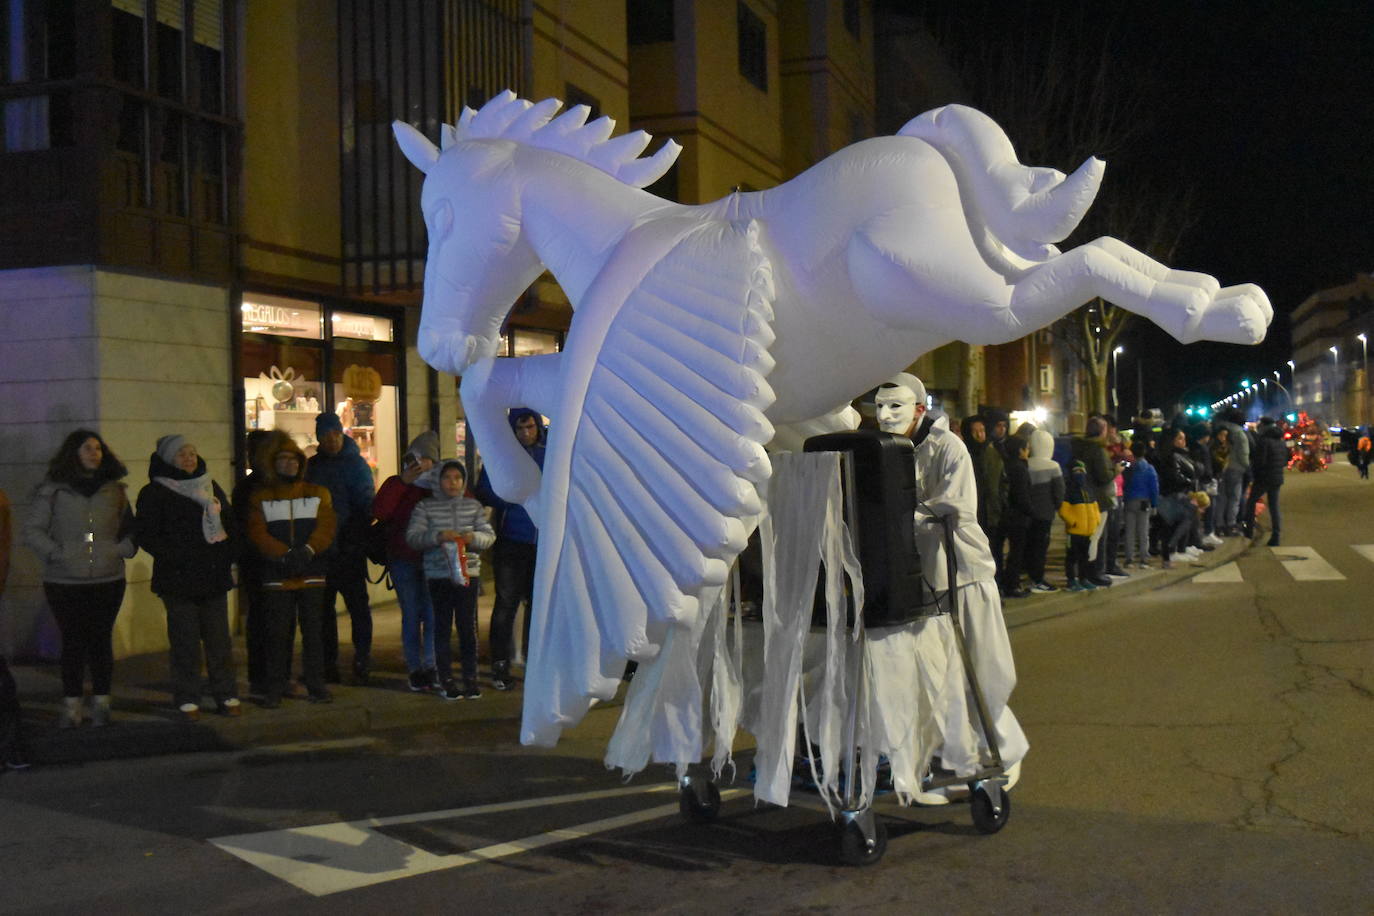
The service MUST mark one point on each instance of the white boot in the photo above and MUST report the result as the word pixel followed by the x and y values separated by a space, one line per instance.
pixel 100 710
pixel 70 716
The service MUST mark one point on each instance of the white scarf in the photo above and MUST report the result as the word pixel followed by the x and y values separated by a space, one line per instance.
pixel 202 490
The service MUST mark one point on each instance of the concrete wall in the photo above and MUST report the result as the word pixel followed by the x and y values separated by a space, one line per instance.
pixel 134 358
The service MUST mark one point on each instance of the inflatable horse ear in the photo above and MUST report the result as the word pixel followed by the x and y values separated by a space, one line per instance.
pixel 421 153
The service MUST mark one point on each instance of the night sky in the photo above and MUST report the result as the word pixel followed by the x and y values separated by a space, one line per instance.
pixel 1267 111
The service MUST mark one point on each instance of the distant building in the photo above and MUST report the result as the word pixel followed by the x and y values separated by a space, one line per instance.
pixel 1333 385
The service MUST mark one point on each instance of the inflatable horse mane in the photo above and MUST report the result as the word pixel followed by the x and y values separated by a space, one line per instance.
pixel 702 334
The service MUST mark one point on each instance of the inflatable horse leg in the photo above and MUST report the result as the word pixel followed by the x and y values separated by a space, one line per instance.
pixel 490 388
pixel 1188 305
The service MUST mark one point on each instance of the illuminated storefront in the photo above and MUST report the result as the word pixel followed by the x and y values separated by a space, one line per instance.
pixel 302 357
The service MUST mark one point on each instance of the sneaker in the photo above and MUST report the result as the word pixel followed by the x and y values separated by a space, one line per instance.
pixel 1043 587
pixel 451 690
pixel 1272 542
pixel 321 696
pixel 1099 581
pixel 1118 573
pixel 471 691
pixel 1016 593
pixel 1213 540
pixel 1167 564
pixel 500 676
pixel 435 683
pixel 100 711
pixel 420 682
pixel 70 715
pixel 190 712
pixel 16 759
pixel 231 708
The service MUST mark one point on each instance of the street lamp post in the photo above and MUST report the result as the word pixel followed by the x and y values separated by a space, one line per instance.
pixel 1335 371
pixel 1116 377
pixel 1364 387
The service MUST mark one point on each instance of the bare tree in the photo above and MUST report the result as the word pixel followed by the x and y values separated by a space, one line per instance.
pixel 1057 89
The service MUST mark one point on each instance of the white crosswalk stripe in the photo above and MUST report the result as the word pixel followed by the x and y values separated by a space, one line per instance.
pixel 327 858
pixel 1229 572
pixel 1306 565
pixel 1364 550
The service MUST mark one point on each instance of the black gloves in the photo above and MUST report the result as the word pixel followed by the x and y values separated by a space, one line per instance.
pixel 297 560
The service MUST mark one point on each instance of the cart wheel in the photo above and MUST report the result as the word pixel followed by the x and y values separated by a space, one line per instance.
pixel 984 818
pixel 854 848
pixel 699 802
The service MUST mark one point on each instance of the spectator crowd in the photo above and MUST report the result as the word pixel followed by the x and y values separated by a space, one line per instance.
pixel 296 535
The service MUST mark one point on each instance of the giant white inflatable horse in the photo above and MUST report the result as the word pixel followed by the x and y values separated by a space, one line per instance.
pixel 701 332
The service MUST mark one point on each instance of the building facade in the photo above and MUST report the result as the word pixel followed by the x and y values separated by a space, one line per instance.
pixel 1331 333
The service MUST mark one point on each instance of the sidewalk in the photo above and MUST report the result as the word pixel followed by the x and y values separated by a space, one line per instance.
pixel 145 722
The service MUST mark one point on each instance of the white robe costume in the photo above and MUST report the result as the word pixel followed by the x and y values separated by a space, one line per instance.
pixel 945 487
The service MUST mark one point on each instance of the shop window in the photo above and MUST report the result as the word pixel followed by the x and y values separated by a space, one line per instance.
pixel 361 327
pixel 365 395
pixel 533 343
pixel 1046 377
pixel 283 388
pixel 263 314
pixel 753 46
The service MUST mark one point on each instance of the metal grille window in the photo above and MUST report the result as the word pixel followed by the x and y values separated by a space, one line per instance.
pixel 417 61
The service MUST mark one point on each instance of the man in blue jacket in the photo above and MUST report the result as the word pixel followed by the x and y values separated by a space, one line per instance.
pixel 513 556
pixel 340 467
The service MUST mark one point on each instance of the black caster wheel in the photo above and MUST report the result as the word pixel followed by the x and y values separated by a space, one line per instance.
pixel 699 802
pixel 984 817
pixel 855 848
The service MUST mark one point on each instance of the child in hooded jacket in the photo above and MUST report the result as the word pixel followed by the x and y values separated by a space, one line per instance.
pixel 450 517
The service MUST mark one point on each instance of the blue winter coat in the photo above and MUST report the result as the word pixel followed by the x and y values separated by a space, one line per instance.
pixel 510 520
pixel 349 481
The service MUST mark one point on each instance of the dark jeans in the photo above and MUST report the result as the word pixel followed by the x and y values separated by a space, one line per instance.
pixel 1076 563
pixel 512 566
pixel 281 609
pixel 1109 544
pixel 1271 499
pixel 10 737
pixel 1037 548
pixel 86 616
pixel 347 576
pixel 191 623
pixel 454 604
pixel 1015 560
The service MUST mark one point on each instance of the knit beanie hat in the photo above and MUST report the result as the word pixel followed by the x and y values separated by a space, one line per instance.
pixel 327 421
pixel 425 445
pixel 168 446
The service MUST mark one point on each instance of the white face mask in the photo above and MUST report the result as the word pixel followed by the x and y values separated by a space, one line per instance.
pixel 897 409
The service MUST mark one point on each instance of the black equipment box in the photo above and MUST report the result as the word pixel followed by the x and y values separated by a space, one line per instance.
pixel 883 518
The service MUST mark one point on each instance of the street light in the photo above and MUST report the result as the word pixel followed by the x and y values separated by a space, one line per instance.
pixel 1364 345
pixel 1335 370
pixel 1116 375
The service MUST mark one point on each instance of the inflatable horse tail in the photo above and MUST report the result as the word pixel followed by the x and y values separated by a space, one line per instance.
pixel 1027 209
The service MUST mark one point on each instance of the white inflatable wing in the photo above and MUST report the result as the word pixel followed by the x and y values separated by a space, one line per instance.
pixel 657 451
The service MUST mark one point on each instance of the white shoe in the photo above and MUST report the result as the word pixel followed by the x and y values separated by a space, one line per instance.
pixel 70 715
pixel 929 799
pixel 100 710
pixel 1212 540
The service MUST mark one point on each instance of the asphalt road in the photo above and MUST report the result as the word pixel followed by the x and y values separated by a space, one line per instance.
pixel 1200 748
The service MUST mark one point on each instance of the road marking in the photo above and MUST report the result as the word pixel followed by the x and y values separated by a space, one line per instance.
pixel 1306 565
pixel 328 858
pixel 1228 572
pixel 1364 550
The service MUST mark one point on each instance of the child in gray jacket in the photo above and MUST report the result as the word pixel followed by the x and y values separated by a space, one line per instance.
pixel 451 528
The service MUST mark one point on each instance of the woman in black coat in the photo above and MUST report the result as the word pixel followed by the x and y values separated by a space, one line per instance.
pixel 1267 463
pixel 184 521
